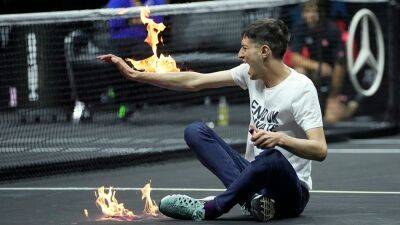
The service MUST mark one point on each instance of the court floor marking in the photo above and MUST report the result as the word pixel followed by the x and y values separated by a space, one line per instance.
pixel 180 189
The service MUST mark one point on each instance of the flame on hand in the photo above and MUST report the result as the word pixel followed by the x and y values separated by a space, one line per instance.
pixel 154 63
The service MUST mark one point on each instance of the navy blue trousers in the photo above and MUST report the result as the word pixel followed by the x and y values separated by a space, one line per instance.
pixel 269 174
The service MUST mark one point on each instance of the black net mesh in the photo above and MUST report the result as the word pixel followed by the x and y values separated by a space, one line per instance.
pixel 59 105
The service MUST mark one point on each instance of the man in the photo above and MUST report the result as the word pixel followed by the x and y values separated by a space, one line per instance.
pixel 318 51
pixel 273 180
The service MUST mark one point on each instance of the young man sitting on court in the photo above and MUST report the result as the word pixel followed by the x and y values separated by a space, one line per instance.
pixel 274 178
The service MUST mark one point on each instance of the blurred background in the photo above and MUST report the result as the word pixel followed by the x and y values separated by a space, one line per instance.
pixel 63 110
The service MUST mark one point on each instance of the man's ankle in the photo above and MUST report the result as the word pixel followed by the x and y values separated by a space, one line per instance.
pixel 211 212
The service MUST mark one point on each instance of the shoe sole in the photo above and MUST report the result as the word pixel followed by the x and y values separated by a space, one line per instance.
pixel 263 208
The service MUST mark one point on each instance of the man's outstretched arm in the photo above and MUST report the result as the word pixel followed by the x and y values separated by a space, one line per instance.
pixel 182 81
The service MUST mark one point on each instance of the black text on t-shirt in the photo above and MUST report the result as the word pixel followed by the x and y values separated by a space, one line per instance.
pixel 263 118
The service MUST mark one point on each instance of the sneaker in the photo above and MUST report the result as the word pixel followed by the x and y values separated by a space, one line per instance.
pixel 262 208
pixel 182 207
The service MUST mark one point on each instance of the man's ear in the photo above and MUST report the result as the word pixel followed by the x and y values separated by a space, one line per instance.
pixel 265 51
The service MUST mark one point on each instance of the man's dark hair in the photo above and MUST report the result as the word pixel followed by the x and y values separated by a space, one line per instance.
pixel 272 32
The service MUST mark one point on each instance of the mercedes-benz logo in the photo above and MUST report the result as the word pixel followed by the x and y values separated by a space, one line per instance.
pixel 365 56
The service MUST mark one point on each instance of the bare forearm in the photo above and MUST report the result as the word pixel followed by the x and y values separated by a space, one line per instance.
pixel 180 81
pixel 305 148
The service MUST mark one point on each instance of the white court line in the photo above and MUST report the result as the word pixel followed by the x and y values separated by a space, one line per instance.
pixel 180 189
pixel 363 150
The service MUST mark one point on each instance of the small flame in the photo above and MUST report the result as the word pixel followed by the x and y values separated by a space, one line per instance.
pixel 154 63
pixel 110 206
pixel 150 206
pixel 153 29
pixel 148 65
pixel 86 213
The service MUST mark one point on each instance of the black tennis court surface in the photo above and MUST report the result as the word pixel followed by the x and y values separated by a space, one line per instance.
pixel 357 184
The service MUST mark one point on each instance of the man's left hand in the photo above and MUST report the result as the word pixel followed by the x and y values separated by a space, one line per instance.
pixel 266 139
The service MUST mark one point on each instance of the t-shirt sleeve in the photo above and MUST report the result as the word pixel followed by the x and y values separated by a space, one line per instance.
pixel 306 108
pixel 240 76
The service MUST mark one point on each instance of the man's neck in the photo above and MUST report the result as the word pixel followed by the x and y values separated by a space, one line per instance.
pixel 275 72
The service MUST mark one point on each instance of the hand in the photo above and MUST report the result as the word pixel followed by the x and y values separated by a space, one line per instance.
pixel 326 70
pixel 121 65
pixel 266 139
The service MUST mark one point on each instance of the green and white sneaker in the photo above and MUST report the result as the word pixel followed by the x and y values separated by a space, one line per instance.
pixel 262 208
pixel 182 207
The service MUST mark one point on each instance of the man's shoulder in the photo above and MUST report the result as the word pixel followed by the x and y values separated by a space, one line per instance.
pixel 300 84
pixel 301 79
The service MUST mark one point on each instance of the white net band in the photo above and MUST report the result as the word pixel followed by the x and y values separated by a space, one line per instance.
pixel 161 10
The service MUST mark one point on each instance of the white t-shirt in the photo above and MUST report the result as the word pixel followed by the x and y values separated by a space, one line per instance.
pixel 291 107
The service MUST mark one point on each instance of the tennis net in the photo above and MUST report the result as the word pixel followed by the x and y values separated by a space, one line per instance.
pixel 62 109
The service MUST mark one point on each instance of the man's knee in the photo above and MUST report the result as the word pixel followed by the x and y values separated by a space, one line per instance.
pixel 194 130
pixel 270 159
pixel 271 154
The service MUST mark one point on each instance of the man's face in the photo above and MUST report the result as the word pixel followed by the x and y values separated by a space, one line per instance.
pixel 250 53
pixel 311 16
